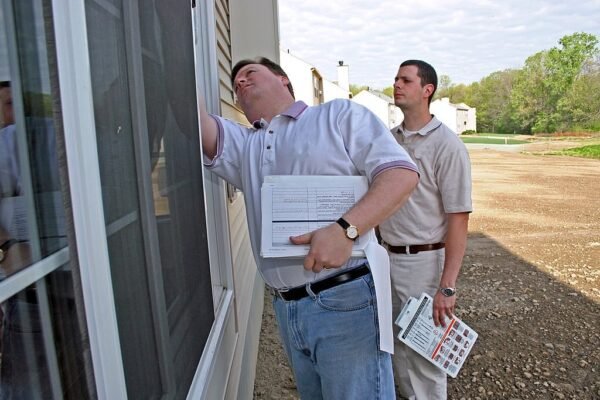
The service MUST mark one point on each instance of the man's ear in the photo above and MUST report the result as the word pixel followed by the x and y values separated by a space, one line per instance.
pixel 285 80
pixel 428 90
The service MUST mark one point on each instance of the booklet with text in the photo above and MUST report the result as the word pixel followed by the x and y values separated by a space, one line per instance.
pixel 446 347
pixel 296 204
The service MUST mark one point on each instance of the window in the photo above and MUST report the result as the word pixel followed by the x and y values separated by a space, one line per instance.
pixel 43 354
pixel 141 59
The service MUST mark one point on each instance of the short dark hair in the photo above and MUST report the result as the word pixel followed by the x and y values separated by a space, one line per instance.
pixel 426 72
pixel 4 84
pixel 271 65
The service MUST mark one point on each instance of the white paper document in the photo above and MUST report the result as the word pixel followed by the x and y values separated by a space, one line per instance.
pixel 445 347
pixel 293 205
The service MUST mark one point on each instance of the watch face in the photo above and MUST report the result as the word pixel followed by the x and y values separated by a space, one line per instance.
pixel 448 291
pixel 352 232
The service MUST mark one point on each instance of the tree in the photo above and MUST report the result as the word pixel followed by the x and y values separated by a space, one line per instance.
pixel 578 109
pixel 492 98
pixel 356 89
pixel 547 77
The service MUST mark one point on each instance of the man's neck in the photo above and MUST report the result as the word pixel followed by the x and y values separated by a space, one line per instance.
pixel 267 110
pixel 414 121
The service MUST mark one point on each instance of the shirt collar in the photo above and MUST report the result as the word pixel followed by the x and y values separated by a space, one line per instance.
pixel 293 111
pixel 424 131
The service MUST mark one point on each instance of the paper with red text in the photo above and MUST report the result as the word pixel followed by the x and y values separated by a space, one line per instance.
pixel 446 347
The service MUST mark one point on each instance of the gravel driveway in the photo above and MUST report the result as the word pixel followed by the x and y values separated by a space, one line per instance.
pixel 530 284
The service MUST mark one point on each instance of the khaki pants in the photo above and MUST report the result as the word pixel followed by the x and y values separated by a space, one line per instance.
pixel 413 274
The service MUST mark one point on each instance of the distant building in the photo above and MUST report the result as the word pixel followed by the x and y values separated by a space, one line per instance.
pixel 309 85
pixel 458 117
pixel 382 105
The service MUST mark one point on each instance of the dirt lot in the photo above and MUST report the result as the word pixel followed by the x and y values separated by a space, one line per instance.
pixel 530 284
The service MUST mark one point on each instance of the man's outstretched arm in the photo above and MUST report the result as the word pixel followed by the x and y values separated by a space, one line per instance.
pixel 210 131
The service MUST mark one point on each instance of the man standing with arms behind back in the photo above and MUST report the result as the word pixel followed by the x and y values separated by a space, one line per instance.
pixel 426 239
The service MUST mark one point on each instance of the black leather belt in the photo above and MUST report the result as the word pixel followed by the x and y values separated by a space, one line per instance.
pixel 300 292
pixel 415 248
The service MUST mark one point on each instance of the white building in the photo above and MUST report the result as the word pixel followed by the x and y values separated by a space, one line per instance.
pixel 309 85
pixel 139 281
pixel 458 117
pixel 381 105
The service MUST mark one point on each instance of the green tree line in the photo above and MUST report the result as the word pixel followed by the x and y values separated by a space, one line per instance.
pixel 557 90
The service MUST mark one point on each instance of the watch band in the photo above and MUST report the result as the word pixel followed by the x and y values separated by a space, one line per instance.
pixel 448 291
pixel 343 223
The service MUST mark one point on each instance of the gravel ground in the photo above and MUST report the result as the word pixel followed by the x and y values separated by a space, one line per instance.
pixel 530 284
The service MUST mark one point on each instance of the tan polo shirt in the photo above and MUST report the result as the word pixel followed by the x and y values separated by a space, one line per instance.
pixel 444 186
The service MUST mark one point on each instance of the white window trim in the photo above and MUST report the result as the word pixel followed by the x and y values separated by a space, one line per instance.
pixel 86 196
pixel 210 379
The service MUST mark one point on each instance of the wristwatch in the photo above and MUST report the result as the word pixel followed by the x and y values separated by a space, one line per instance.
pixel 5 246
pixel 448 291
pixel 351 230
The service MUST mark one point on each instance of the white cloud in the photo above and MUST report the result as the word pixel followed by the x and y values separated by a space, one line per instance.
pixel 466 40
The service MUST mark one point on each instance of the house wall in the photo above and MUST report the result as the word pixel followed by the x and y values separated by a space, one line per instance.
pixel 472 119
pixel 332 91
pixel 459 117
pixel 374 103
pixel 301 76
pixel 249 38
pixel 395 116
pixel 462 117
pixel 246 40
pixel 444 111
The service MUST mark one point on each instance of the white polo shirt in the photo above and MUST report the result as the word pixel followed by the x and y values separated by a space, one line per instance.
pixel 444 186
pixel 336 138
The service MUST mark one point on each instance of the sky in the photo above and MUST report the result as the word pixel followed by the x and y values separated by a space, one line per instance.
pixel 466 40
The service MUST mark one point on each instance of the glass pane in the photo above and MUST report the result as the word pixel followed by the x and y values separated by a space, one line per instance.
pixel 31 204
pixel 173 136
pixel 41 336
pixel 152 190
pixel 26 359
pixel 118 173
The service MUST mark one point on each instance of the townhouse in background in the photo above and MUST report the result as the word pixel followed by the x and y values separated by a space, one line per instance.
pixel 312 88
pixel 381 105
pixel 140 281
pixel 458 117
pixel 309 85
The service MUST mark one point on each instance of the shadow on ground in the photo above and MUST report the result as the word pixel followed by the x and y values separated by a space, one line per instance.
pixel 538 337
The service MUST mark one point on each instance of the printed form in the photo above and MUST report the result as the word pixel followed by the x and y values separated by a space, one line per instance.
pixel 293 205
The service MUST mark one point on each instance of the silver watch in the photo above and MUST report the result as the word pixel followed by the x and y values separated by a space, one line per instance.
pixel 448 291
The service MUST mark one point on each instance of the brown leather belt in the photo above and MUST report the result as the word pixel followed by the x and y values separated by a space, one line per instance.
pixel 300 292
pixel 415 248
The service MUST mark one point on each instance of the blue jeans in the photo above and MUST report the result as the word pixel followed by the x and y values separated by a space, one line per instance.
pixel 332 342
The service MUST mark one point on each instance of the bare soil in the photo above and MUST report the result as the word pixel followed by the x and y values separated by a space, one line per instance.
pixel 530 284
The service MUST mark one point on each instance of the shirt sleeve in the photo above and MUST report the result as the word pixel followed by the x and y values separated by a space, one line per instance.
pixel 453 174
pixel 369 142
pixel 231 140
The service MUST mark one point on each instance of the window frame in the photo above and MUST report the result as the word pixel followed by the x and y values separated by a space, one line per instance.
pixel 86 196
